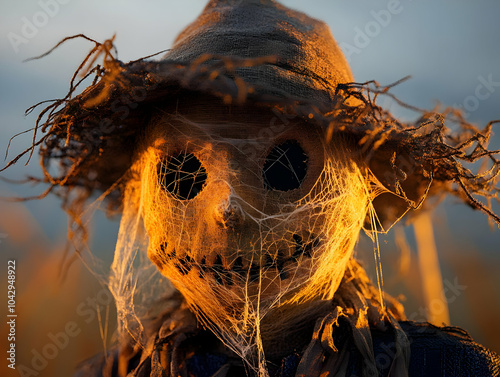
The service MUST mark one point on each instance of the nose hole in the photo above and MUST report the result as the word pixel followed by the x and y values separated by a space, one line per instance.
pixel 229 215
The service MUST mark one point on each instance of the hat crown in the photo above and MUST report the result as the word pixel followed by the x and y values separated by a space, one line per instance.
pixel 309 62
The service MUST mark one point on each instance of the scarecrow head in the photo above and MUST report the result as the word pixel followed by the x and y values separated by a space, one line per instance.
pixel 243 217
pixel 247 208
pixel 245 163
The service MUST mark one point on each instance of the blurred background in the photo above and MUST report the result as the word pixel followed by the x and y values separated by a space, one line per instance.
pixel 450 48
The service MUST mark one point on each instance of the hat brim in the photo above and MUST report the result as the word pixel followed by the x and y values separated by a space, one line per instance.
pixel 92 136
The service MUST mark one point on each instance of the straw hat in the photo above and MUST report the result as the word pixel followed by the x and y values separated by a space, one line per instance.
pixel 258 53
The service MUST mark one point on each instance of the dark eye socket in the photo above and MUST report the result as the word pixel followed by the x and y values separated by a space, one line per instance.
pixel 182 175
pixel 285 167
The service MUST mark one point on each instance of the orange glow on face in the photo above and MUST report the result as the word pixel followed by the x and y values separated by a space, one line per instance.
pixel 244 215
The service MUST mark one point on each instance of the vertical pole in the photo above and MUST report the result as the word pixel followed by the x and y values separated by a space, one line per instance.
pixel 430 272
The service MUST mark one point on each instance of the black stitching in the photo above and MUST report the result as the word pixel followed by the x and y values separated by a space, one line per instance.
pixel 184 265
pixel 222 275
pixel 280 266
pixel 254 273
pixel 218 269
pixel 269 262
pixel 238 267
pixel 202 268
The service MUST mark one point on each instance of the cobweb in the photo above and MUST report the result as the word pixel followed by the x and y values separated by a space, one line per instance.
pixel 241 314
pixel 238 252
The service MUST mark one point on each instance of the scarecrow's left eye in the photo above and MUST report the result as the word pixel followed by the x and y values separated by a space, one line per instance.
pixel 285 167
pixel 182 175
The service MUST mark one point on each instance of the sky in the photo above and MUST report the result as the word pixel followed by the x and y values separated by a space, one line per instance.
pixel 450 48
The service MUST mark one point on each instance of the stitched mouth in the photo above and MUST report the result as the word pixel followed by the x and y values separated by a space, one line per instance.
pixel 238 273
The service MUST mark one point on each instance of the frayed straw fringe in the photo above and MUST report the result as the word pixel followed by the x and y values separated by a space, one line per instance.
pixel 90 135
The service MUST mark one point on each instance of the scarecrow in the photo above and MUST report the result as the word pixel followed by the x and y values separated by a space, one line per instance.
pixel 244 163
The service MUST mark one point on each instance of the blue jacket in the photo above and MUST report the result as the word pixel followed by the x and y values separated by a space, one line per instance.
pixel 435 352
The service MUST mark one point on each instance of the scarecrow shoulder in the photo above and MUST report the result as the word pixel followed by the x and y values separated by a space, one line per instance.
pixel 447 351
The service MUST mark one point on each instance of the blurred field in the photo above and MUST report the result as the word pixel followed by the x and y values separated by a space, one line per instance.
pixel 470 278
pixel 59 321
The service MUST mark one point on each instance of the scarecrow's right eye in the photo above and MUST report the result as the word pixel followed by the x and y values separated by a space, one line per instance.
pixel 285 167
pixel 182 175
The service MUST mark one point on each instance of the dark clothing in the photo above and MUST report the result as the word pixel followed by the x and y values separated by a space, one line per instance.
pixel 435 351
